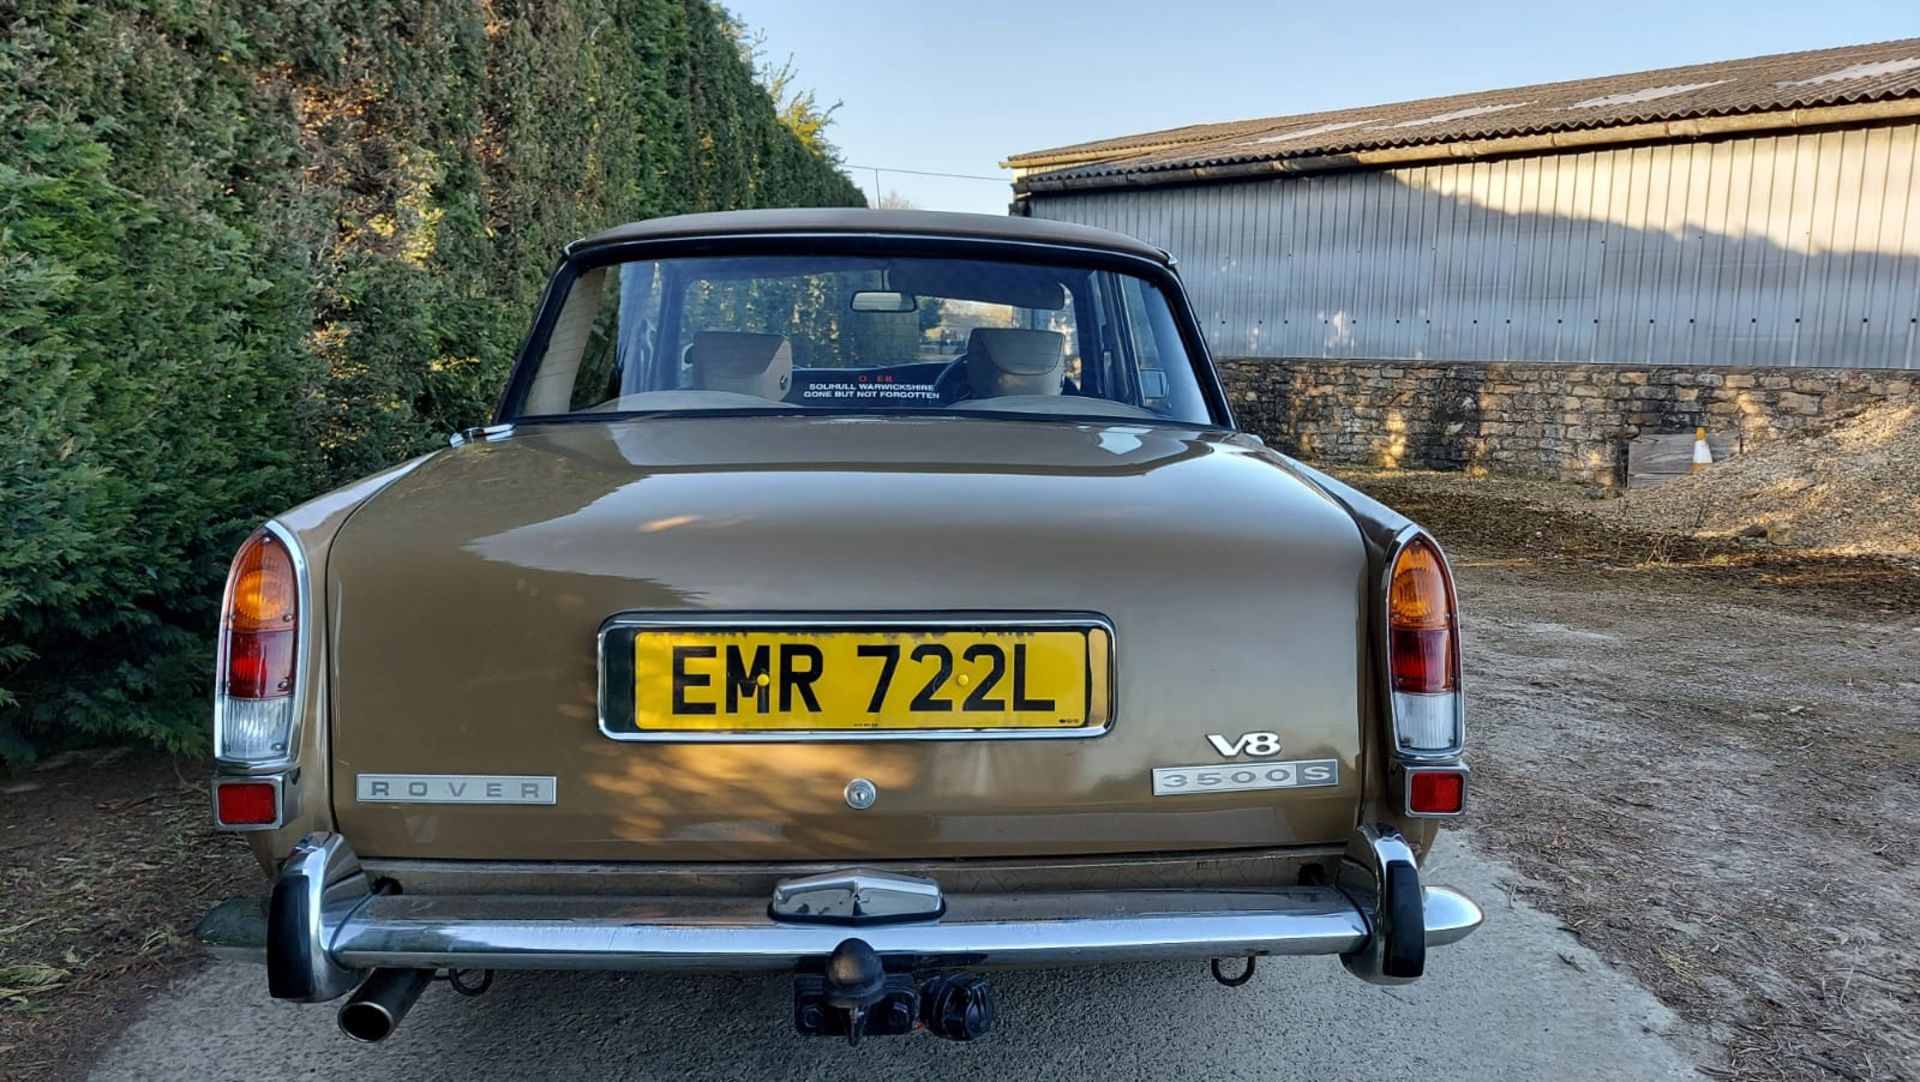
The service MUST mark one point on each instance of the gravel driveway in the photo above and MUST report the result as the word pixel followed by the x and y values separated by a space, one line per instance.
pixel 1706 757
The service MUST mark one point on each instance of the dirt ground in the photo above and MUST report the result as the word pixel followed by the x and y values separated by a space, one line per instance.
pixel 106 863
pixel 1706 759
pixel 1703 755
pixel 1849 488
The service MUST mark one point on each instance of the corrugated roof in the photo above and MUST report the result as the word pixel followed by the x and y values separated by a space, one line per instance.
pixel 1822 77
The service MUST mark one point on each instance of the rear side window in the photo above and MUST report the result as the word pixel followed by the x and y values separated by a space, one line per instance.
pixel 607 327
pixel 863 333
pixel 1164 379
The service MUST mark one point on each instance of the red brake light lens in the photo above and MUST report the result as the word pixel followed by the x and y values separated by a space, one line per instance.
pixel 260 665
pixel 1423 661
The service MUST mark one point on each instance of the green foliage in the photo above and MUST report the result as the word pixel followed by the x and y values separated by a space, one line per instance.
pixel 800 110
pixel 248 251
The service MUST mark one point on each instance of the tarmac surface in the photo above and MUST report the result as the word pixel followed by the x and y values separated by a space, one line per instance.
pixel 1519 999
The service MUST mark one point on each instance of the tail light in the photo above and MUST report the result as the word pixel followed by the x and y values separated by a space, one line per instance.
pixel 258 677
pixel 1423 652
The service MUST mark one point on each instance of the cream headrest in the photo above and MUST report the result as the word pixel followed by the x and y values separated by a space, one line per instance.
pixel 1018 352
pixel 1004 362
pixel 755 364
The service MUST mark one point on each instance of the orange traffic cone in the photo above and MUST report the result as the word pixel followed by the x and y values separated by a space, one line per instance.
pixel 1702 456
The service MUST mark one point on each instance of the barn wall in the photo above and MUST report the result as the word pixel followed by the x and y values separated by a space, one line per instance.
pixel 1794 250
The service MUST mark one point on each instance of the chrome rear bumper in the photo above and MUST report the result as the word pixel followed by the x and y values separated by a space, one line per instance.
pixel 325 929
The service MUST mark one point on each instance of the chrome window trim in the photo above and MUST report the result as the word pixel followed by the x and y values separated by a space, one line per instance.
pixel 1079 621
pixel 280 792
pixel 301 678
pixel 479 434
pixel 1401 540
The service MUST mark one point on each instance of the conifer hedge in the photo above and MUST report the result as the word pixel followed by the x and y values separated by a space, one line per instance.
pixel 249 251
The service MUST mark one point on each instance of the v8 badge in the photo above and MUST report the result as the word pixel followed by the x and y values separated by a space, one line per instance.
pixel 1258 745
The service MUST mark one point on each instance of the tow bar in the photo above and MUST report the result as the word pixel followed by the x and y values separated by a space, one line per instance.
pixel 854 996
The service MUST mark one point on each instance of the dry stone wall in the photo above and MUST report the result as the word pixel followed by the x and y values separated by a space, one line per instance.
pixel 1565 421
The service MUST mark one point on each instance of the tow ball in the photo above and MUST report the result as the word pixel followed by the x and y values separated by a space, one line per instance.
pixel 854 995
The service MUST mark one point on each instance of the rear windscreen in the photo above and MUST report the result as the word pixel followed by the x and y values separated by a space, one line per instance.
pixel 863 333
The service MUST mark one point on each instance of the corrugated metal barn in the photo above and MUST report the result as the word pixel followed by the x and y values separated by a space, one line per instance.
pixel 1754 212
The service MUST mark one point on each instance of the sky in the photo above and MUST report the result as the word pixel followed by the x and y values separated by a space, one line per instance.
pixel 957 86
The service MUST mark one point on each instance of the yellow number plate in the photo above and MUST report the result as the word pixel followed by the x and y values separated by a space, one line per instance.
pixel 691 679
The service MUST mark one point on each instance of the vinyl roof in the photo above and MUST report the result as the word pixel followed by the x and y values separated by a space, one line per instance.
pixel 843 220
pixel 1823 77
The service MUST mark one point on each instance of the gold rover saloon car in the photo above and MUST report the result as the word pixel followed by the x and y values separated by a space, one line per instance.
pixel 884 597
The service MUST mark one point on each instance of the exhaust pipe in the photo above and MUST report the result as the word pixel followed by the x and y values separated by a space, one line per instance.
pixel 376 1008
